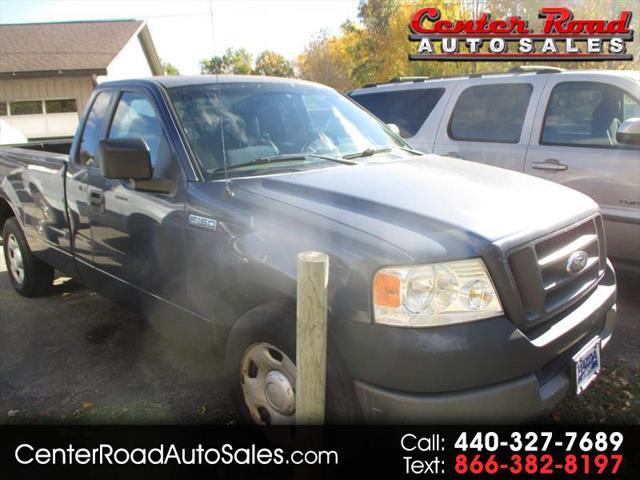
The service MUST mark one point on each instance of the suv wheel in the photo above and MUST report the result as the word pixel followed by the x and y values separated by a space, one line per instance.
pixel 29 275
pixel 260 364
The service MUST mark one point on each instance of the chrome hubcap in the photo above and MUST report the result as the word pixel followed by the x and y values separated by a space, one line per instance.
pixel 268 379
pixel 15 259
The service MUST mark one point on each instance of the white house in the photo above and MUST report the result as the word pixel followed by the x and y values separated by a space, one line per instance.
pixel 48 70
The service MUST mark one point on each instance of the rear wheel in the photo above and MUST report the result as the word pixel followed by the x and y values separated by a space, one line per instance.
pixel 29 275
pixel 260 364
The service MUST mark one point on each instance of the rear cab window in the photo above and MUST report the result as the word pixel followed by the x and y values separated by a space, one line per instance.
pixel 490 113
pixel 408 109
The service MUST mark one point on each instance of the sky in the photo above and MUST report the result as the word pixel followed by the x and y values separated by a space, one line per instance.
pixel 182 29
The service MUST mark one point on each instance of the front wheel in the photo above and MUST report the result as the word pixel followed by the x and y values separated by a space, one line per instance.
pixel 260 364
pixel 29 275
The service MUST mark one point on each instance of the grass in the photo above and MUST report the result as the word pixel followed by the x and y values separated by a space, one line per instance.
pixel 131 413
pixel 614 398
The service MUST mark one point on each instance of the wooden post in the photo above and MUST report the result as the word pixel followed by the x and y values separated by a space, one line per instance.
pixel 311 342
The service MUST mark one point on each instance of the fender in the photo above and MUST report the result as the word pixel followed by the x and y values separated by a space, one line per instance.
pixel 9 200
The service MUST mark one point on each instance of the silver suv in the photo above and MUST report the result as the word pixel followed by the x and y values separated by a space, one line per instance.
pixel 577 128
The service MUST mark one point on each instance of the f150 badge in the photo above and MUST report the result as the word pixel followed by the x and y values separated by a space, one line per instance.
pixel 202 222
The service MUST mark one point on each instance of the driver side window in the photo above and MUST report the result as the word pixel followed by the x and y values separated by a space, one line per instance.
pixel 587 114
pixel 135 117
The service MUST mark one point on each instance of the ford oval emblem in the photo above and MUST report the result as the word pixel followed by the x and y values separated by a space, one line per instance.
pixel 577 262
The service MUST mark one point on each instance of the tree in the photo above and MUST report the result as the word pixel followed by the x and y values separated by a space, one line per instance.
pixel 235 60
pixel 213 65
pixel 273 64
pixel 326 60
pixel 583 9
pixel 170 69
pixel 376 48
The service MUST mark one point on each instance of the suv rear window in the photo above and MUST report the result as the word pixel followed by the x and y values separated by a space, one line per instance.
pixel 408 109
pixel 490 113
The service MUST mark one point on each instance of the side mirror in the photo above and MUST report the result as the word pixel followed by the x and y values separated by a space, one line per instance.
pixel 629 132
pixel 125 159
pixel 394 128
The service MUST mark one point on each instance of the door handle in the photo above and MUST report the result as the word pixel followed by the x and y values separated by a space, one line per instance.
pixel 96 197
pixel 549 164
pixel 455 155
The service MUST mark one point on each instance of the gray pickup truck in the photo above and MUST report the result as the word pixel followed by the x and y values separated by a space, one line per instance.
pixel 458 292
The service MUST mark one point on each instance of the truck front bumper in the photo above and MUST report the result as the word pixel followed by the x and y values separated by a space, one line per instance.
pixel 518 399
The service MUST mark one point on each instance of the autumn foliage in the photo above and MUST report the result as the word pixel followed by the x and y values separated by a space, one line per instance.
pixel 376 47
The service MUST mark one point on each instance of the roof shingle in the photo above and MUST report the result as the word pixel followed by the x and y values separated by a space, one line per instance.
pixel 71 46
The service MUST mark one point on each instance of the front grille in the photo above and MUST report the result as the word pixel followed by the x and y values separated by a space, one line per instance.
pixel 540 270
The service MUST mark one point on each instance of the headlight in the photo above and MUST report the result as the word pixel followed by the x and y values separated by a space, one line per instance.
pixel 436 294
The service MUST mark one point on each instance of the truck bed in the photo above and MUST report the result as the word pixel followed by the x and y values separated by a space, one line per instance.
pixel 32 178
pixel 52 146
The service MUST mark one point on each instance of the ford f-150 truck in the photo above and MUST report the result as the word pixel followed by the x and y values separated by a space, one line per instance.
pixel 458 291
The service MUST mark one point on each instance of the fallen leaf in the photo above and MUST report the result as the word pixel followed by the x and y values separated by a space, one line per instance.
pixel 202 409
pixel 87 405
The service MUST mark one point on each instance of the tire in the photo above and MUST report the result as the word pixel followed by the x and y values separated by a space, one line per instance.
pixel 274 324
pixel 29 275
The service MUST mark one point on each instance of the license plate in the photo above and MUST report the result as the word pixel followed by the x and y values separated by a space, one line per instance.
pixel 587 364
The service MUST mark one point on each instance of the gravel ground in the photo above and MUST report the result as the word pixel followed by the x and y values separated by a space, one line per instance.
pixel 76 357
pixel 624 348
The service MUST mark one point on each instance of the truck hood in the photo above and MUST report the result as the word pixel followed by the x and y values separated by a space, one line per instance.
pixel 427 201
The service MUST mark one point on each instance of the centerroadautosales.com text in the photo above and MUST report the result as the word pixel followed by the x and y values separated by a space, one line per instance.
pixel 227 454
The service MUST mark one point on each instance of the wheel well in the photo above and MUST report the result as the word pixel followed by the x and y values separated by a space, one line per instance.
pixel 5 213
pixel 236 301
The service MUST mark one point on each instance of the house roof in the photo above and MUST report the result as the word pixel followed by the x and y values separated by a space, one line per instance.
pixel 37 49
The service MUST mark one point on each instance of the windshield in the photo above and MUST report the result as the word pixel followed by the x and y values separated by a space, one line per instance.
pixel 275 126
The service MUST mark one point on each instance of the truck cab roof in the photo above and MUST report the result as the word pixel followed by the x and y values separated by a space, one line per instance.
pixel 172 81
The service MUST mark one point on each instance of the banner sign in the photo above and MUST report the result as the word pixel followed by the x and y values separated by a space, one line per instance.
pixel 563 37
pixel 392 452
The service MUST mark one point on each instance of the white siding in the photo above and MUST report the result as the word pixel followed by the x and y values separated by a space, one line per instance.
pixel 131 62
pixel 47 125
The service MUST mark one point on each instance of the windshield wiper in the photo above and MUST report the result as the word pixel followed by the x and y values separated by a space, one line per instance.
pixel 411 150
pixel 368 152
pixel 303 156
pixel 285 158
pixel 374 151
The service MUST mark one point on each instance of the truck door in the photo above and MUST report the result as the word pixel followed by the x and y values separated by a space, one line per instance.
pixel 489 120
pixel 574 143
pixel 138 233
pixel 80 160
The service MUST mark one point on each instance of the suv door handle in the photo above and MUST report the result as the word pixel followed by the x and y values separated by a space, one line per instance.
pixel 96 197
pixel 455 155
pixel 549 164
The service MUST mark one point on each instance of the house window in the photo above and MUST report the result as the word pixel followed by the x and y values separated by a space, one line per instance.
pixel 3 108
pixel 61 106
pixel 29 107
